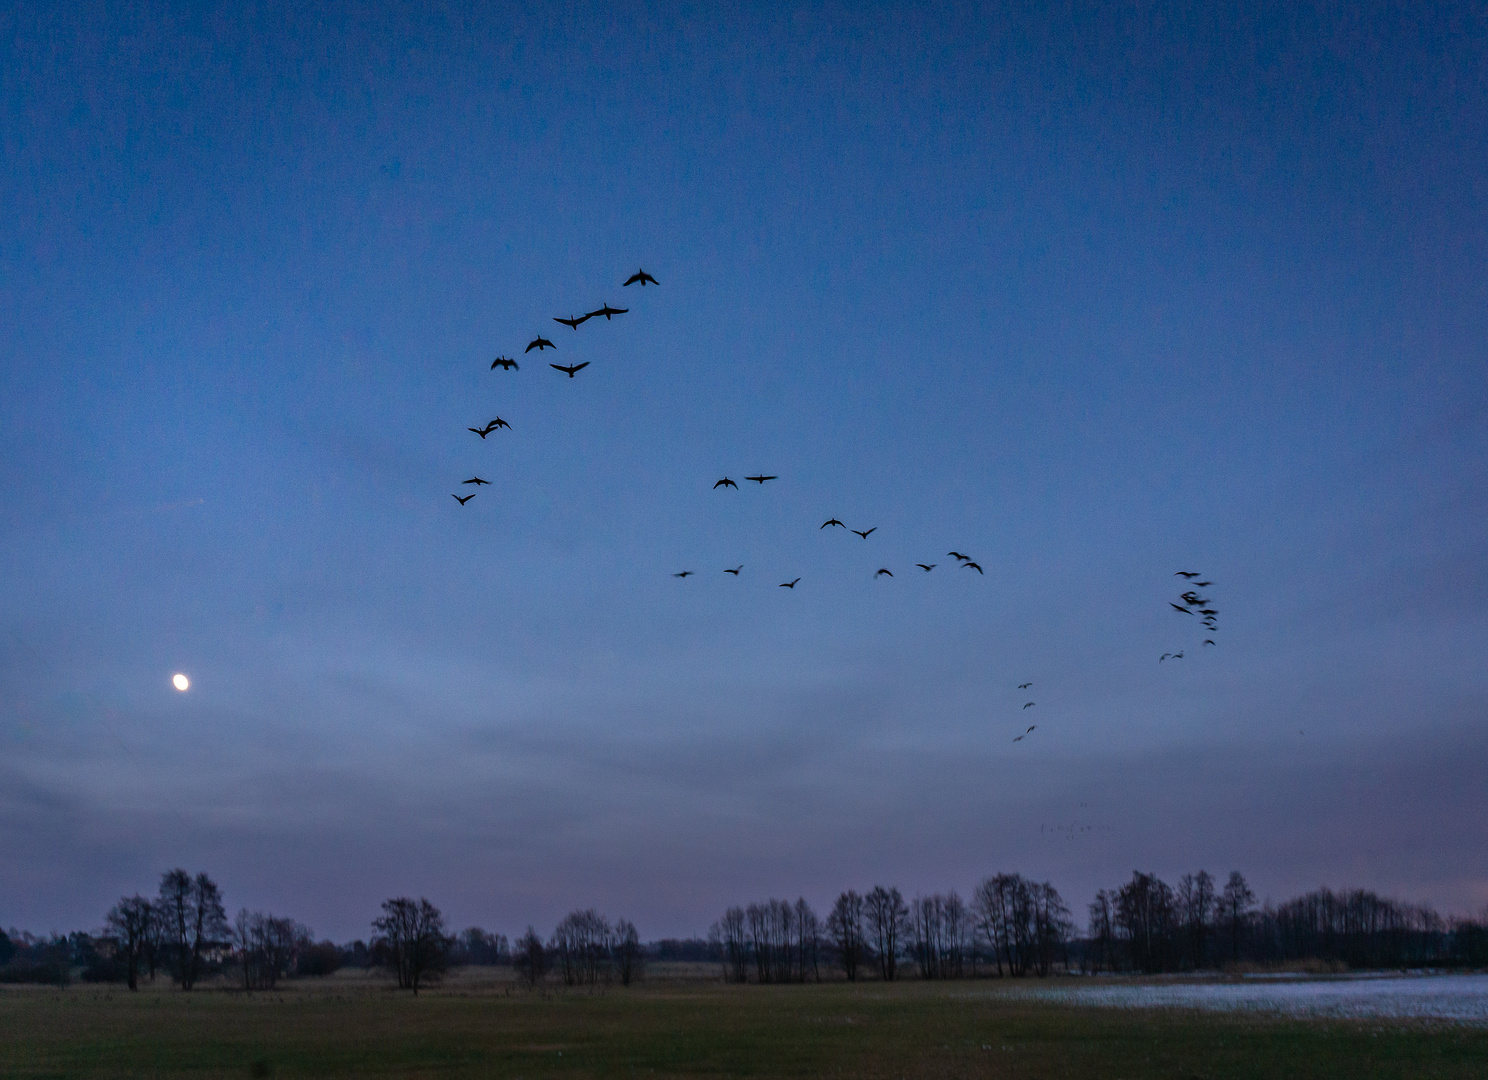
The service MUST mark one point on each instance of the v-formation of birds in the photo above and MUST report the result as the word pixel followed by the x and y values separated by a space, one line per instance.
pixel 542 344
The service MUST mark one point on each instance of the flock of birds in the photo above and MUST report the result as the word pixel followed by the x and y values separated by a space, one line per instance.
pixel 1191 602
pixel 542 344
pixel 1194 604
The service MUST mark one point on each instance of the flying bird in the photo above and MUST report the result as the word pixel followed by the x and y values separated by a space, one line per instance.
pixel 927 567
pixel 572 322
pixel 684 573
pixel 969 565
pixel 832 521
pixel 1179 607
pixel 726 482
pixel 1163 657
pixel 1208 611
pixel 642 277
pixel 1029 705
pixel 463 501
pixel 1203 584
pixel 882 571
pixel 1030 728
pixel 506 363
pixel 1207 641
pixel 1020 737
pixel 1187 574
pixel 540 343
pixel 607 311
pixel 476 480
pixel 864 535
pixel 760 480
pixel 958 555
pixel 492 426
pixel 1024 685
pixel 789 584
pixel 570 371
pixel 735 570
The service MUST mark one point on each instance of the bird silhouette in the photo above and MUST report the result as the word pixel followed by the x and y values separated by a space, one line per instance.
pixel 1208 611
pixel 864 535
pixel 789 584
pixel 1030 728
pixel 492 426
pixel 1187 574
pixel 927 567
pixel 1024 685
pixel 540 343
pixel 969 565
pixel 1203 584
pixel 760 480
pixel 463 501
pixel 684 573
pixel 1207 641
pixel 833 521
pixel 572 322
pixel 572 370
pixel 506 363
pixel 1177 656
pixel 1179 607
pixel 1029 705
pixel 476 480
pixel 1020 737
pixel 726 482
pixel 1163 657
pixel 642 277
pixel 958 555
pixel 882 571
pixel 607 311
pixel 735 570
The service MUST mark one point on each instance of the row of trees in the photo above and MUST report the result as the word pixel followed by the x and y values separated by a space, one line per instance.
pixel 1012 925
pixel 1147 925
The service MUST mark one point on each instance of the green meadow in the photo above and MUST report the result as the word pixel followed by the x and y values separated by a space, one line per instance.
pixel 355 1026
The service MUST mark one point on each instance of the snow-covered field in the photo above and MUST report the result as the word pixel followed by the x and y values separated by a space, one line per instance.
pixel 1459 998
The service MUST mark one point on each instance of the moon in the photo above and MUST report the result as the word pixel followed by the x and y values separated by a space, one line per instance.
pixel 181 682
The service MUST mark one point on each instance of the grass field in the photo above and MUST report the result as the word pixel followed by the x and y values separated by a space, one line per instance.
pixel 350 1025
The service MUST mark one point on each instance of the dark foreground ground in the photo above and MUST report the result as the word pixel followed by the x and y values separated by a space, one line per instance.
pixel 353 1026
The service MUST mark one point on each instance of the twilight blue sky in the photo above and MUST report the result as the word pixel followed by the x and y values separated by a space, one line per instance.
pixel 1091 295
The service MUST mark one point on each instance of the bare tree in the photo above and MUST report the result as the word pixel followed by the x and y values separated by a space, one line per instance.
pixel 530 959
pixel 886 914
pixel 845 926
pixel 267 947
pixel 1052 926
pixel 410 935
pixel 1235 907
pixel 924 928
pixel 808 938
pixel 1196 905
pixel 629 963
pixel 582 945
pixel 194 919
pixel 1145 915
pixel 131 921
pixel 731 934
pixel 955 936
pixel 1103 930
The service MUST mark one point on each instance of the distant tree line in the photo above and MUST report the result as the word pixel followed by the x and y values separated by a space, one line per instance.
pixel 1149 926
pixel 1009 926
pixel 1014 926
